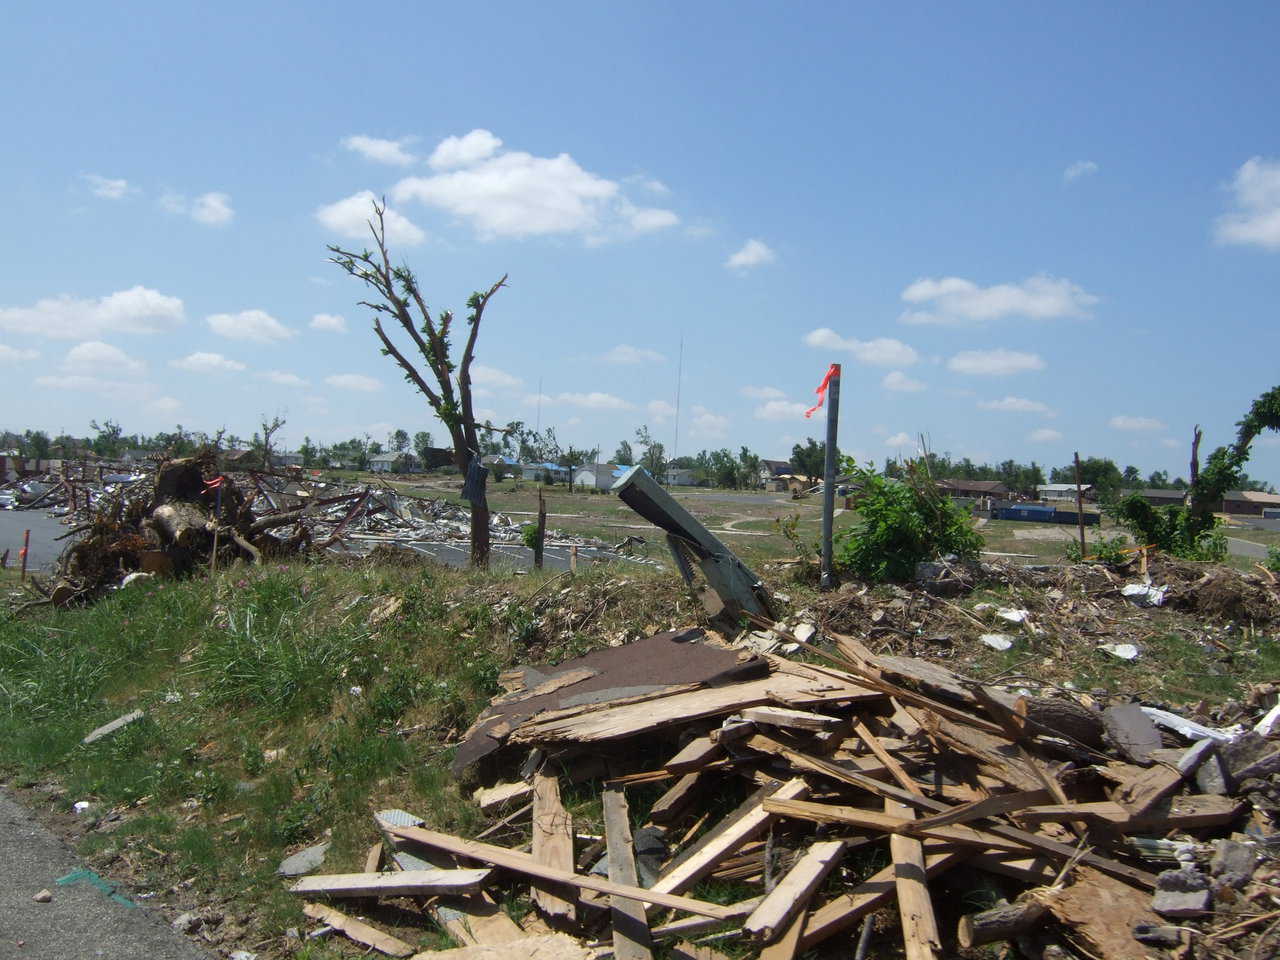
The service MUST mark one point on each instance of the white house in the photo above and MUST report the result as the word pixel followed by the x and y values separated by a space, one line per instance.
pixel 383 462
pixel 680 477
pixel 537 471
pixel 1062 491
pixel 598 475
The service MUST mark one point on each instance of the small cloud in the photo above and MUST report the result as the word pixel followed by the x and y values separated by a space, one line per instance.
pixel 762 393
pixel 136 310
pixel 1169 442
pixel 106 187
pixel 257 326
pixel 655 186
pixel 464 151
pixel 625 355
pixel 1044 435
pixel 753 253
pixel 1256 219
pixel 899 381
pixel 1123 421
pixel 594 401
pixel 1081 168
pixel 12 355
pixel 350 218
pixel 165 405
pixel 1012 404
pixel 484 376
pixel 380 151
pixel 330 322
pixel 212 209
pixel 207 363
pixel 660 411
pixel 955 301
pixel 994 363
pixel 880 352
pixel 93 358
pixel 780 410
pixel 283 378
pixel 898 439
pixel 708 425
pixel 648 219
pixel 353 381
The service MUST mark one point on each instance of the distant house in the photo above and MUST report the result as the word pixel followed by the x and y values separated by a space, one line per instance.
pixel 384 462
pixel 1158 498
pixel 136 455
pixel 681 477
pixel 770 470
pixel 597 475
pixel 973 489
pixel 1249 502
pixel 540 471
pixel 1063 491
pixel 236 459
pixel 286 458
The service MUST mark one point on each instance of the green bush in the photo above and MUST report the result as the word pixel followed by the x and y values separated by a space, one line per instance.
pixel 1273 560
pixel 902 523
pixel 1175 530
pixel 1108 550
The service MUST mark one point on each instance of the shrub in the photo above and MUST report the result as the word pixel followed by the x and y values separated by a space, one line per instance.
pixel 1175 530
pixel 902 523
pixel 1272 562
pixel 1108 550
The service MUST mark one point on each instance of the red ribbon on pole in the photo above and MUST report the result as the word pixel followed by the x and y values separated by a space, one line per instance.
pixel 821 391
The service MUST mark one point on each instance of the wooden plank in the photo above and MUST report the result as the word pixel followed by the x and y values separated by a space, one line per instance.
pixel 694 951
pixel 920 936
pixel 691 925
pixel 631 938
pixel 787 944
pixel 794 719
pixel 1146 787
pixel 887 823
pixel 525 863
pixel 676 800
pixel 793 891
pixel 542 946
pixel 868 897
pixel 1183 813
pixel 695 755
pixel 500 794
pixel 358 930
pixel 394 883
pixel 1103 912
pixel 552 846
pixel 747 827
pixel 995 806
pixel 373 859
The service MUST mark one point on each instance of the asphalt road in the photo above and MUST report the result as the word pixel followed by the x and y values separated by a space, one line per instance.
pixel 82 922
pixel 1246 548
pixel 44 549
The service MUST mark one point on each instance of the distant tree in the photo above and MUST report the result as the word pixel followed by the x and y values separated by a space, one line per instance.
pixel 398 441
pixel 375 448
pixel 308 452
pixel 654 457
pixel 1098 472
pixel 35 444
pixel 262 447
pixel 1158 480
pixel 725 469
pixel 809 459
pixel 422 447
pixel 750 468
pixel 1131 477
pixel 65 445
pixel 623 456
pixel 108 440
pixel 574 458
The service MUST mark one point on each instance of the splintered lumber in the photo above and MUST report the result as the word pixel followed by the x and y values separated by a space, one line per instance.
pixel 786 717
pixel 676 800
pixel 995 806
pixel 915 907
pixel 1146 787
pixel 695 755
pixel 631 938
pixel 603 721
pixel 999 923
pixel 1183 813
pixel 793 891
pixel 526 864
pixel 868 897
pixel 500 794
pixel 691 925
pixel 358 930
pixel 746 827
pixel 887 823
pixel 693 951
pixel 395 883
pixel 542 946
pixel 552 846
pixel 1103 912
pixel 373 859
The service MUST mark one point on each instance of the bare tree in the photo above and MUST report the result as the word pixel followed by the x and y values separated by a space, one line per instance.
pixel 448 388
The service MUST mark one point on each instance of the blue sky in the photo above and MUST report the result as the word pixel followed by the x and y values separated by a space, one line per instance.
pixel 1022 229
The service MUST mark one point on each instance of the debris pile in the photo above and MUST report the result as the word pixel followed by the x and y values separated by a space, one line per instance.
pixel 757 799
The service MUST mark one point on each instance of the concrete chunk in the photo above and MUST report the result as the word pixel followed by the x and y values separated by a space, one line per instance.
pixel 304 861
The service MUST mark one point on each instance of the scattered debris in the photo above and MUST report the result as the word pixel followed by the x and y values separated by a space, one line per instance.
pixel 304 861
pixel 43 896
pixel 109 728
pixel 997 641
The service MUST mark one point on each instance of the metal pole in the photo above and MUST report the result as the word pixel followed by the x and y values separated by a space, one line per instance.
pixel 1080 508
pixel 829 475
pixel 26 545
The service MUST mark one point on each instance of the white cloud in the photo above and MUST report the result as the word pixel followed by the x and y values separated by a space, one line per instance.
pixel 350 218
pixel 464 151
pixel 257 326
pixel 1044 435
pixel 380 151
pixel 1169 442
pixel 1081 168
pixel 594 401
pixel 625 355
pixel 647 219
pixel 165 405
pixel 212 209
pixel 994 363
pixel 762 393
pixel 899 381
pixel 898 439
pixel 1011 404
pixel 780 410
pixel 880 352
pixel 753 253
pixel 1256 221
pixel 354 381
pixel 331 322
pixel 283 378
pixel 12 355
pixel 654 186
pixel 93 358
pixel 707 424
pixel 136 310
pixel 954 301
pixel 207 363
pixel 106 187
pixel 660 411
pixel 1123 421
pixel 484 376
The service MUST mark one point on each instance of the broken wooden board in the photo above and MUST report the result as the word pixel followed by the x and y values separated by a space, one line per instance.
pixel 793 891
pixel 1182 813
pixel 1103 912
pixel 501 794
pixel 1141 788
pixel 552 847
pixel 546 946
pixel 358 930
pixel 676 800
pixel 695 755
pixel 526 864
pixel 395 883
pixel 631 937
pixel 794 719
pixel 920 936
pixel 746 826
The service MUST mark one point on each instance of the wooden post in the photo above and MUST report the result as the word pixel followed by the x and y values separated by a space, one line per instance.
pixel 829 474
pixel 1080 509
pixel 573 559
pixel 26 545
pixel 542 531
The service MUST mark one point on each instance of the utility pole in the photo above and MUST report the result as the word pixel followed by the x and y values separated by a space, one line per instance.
pixel 1080 508
pixel 829 475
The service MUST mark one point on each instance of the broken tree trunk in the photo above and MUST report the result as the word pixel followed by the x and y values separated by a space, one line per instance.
pixel 999 923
